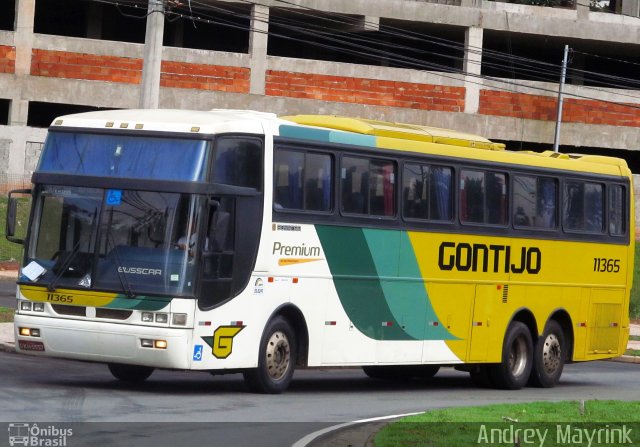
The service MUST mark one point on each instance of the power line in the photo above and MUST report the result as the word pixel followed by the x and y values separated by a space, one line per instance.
pixel 457 75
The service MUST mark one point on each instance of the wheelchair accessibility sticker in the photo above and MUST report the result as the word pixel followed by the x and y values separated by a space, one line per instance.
pixel 197 353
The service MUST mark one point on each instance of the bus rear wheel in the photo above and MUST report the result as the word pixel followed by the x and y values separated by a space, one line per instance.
pixel 130 373
pixel 513 372
pixel 548 357
pixel 276 359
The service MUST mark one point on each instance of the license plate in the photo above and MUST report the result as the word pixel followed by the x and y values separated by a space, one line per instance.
pixel 26 345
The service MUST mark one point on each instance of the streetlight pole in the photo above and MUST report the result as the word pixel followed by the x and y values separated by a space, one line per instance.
pixel 563 74
pixel 150 84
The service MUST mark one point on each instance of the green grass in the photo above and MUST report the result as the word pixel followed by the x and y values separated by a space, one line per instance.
pixel 462 426
pixel 8 250
pixel 634 307
pixel 634 337
pixel 6 315
pixel 632 352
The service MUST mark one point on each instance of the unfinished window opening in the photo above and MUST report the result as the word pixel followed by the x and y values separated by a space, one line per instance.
pixel 352 39
pixel 4 111
pixel 215 26
pixel 42 114
pixel 8 16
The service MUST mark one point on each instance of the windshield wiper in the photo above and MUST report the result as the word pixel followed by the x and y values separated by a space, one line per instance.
pixel 66 259
pixel 122 277
pixel 65 264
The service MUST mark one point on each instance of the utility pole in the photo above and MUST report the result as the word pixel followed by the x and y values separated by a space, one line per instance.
pixel 150 84
pixel 563 75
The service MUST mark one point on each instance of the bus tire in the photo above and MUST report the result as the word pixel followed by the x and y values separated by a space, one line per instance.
pixel 513 372
pixel 548 357
pixel 276 359
pixel 130 373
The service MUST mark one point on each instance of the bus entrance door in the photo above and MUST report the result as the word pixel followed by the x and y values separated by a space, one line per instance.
pixel 480 331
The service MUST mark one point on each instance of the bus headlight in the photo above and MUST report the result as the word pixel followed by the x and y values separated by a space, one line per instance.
pixel 147 317
pixel 25 305
pixel 38 307
pixel 179 320
pixel 162 318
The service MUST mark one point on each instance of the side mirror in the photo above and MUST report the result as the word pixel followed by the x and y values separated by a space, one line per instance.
pixel 17 215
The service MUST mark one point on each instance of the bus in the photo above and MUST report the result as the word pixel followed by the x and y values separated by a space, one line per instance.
pixel 236 241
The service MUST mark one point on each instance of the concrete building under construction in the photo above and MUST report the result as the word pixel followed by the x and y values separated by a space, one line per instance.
pixel 485 67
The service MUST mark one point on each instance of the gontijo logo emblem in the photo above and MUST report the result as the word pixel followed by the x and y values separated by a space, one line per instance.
pixel 222 340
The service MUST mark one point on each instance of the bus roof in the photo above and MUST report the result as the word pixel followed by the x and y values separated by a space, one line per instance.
pixel 170 120
pixel 356 131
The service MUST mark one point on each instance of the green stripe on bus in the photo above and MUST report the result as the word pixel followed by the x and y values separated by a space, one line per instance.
pixel 139 303
pixel 402 284
pixel 356 280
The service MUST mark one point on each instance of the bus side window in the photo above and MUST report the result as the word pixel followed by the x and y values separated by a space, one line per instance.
pixel 238 162
pixel 616 210
pixel 583 207
pixel 483 197
pixel 535 201
pixel 302 181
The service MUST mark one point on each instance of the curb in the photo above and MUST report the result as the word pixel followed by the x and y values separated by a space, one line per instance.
pixel 361 435
pixel 7 347
pixel 626 359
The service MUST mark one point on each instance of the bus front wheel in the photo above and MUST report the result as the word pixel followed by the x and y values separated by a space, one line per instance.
pixel 130 373
pixel 548 357
pixel 276 359
pixel 513 372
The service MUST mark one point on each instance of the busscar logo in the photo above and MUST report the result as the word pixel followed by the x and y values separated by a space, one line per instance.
pixel 33 435
pixel 140 271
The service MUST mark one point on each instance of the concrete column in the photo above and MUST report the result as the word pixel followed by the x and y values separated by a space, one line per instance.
pixel 150 84
pixel 25 16
pixel 258 39
pixel 583 10
pixel 471 66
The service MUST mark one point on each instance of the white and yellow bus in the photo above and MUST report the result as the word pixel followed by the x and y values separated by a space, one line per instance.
pixel 236 241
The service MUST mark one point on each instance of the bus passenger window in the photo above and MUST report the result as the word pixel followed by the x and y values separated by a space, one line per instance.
pixel 368 186
pixel 616 210
pixel 583 207
pixel 483 197
pixel 535 202
pixel 427 192
pixel 302 181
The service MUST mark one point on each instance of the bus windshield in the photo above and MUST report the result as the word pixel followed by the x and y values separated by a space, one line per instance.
pixel 124 241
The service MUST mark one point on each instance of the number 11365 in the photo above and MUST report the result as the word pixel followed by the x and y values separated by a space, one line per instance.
pixel 603 265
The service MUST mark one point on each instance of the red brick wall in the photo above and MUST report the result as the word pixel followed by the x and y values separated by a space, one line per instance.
pixel 574 110
pixel 365 91
pixel 205 77
pixel 62 64
pixel 7 59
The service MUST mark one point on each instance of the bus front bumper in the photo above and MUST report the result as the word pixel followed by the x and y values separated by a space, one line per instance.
pixel 104 342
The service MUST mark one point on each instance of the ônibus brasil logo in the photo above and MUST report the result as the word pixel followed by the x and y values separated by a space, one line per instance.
pixel 33 435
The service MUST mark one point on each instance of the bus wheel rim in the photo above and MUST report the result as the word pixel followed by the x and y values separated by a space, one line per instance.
pixel 551 354
pixel 278 355
pixel 518 357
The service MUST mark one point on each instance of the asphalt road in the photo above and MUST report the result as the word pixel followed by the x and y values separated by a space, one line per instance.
pixel 7 293
pixel 191 408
